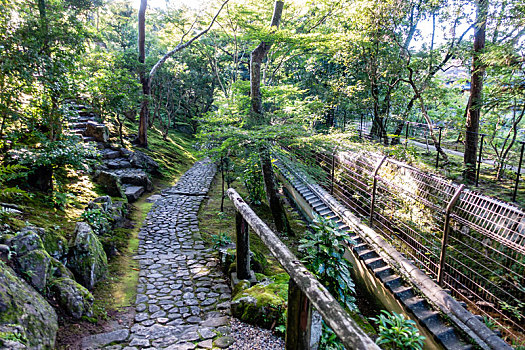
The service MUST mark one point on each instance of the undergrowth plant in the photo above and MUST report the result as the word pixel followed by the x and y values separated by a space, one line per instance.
pixel 397 332
pixel 324 249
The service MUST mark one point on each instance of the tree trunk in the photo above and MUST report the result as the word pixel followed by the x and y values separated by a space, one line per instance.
pixel 476 91
pixel 279 215
pixel 257 118
pixel 144 79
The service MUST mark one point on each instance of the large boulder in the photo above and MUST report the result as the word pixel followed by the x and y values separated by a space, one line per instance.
pixel 136 177
pixel 87 261
pixel 98 131
pixel 110 182
pixel 76 300
pixel 34 268
pixel 27 240
pixel 142 160
pixel 24 314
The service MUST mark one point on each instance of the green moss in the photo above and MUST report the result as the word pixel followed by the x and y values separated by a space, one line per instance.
pixel 263 304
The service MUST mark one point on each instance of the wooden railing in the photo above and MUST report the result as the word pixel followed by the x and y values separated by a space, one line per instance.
pixel 304 292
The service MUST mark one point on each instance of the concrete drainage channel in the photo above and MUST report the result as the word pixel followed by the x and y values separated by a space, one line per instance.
pixel 374 271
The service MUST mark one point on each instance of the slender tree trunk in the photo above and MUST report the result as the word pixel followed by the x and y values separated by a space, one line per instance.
pixel 278 213
pixel 476 91
pixel 144 78
pixel 222 178
pixel 257 118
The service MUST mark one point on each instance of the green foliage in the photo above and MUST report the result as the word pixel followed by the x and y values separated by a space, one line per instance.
pixel 13 336
pixel 98 219
pixel 11 172
pixel 514 310
pixel 252 179
pixel 398 332
pixel 55 154
pixel 324 249
pixel 329 340
pixel 220 240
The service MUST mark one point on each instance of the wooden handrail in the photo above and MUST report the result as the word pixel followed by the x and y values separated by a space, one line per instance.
pixel 348 331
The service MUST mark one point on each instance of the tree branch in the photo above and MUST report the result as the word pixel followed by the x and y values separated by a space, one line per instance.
pixel 182 46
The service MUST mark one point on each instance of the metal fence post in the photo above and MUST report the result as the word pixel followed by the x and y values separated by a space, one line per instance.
pixel 243 248
pixel 374 190
pixel 332 173
pixel 518 173
pixel 479 158
pixel 438 147
pixel 446 228
pixel 361 126
pixel 299 320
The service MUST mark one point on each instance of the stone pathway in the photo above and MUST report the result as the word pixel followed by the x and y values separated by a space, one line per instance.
pixel 182 297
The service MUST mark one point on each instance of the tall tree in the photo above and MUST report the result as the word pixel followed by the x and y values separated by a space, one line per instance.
pixel 257 118
pixel 146 79
pixel 476 92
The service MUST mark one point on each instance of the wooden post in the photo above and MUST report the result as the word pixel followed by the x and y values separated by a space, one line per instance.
pixel 446 228
pixel 243 248
pixel 348 331
pixel 299 320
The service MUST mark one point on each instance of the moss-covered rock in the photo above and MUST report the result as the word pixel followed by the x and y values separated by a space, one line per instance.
pixel 264 304
pixel 34 268
pixel 88 260
pixel 21 305
pixel 56 244
pixel 27 240
pixel 12 337
pixel 58 270
pixel 76 300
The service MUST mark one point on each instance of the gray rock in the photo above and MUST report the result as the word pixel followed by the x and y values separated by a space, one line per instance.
pixel 99 340
pixel 142 160
pixel 25 311
pixel 4 252
pixel 133 193
pixel 215 322
pixel 223 342
pixel 76 300
pixel 88 260
pixel 99 132
pixel 110 182
pixel 27 240
pixel 34 267
pixel 183 346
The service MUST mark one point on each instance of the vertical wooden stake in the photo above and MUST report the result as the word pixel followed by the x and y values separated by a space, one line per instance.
pixel 299 320
pixel 243 248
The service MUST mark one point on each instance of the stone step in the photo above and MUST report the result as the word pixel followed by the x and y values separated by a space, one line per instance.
pixel 118 163
pixel 109 153
pixel 88 139
pixel 78 125
pixel 133 192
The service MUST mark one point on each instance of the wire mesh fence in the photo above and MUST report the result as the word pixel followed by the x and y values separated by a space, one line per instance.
pixel 476 248
pixel 500 158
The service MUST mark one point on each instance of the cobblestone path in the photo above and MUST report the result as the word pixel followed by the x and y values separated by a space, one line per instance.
pixel 182 296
